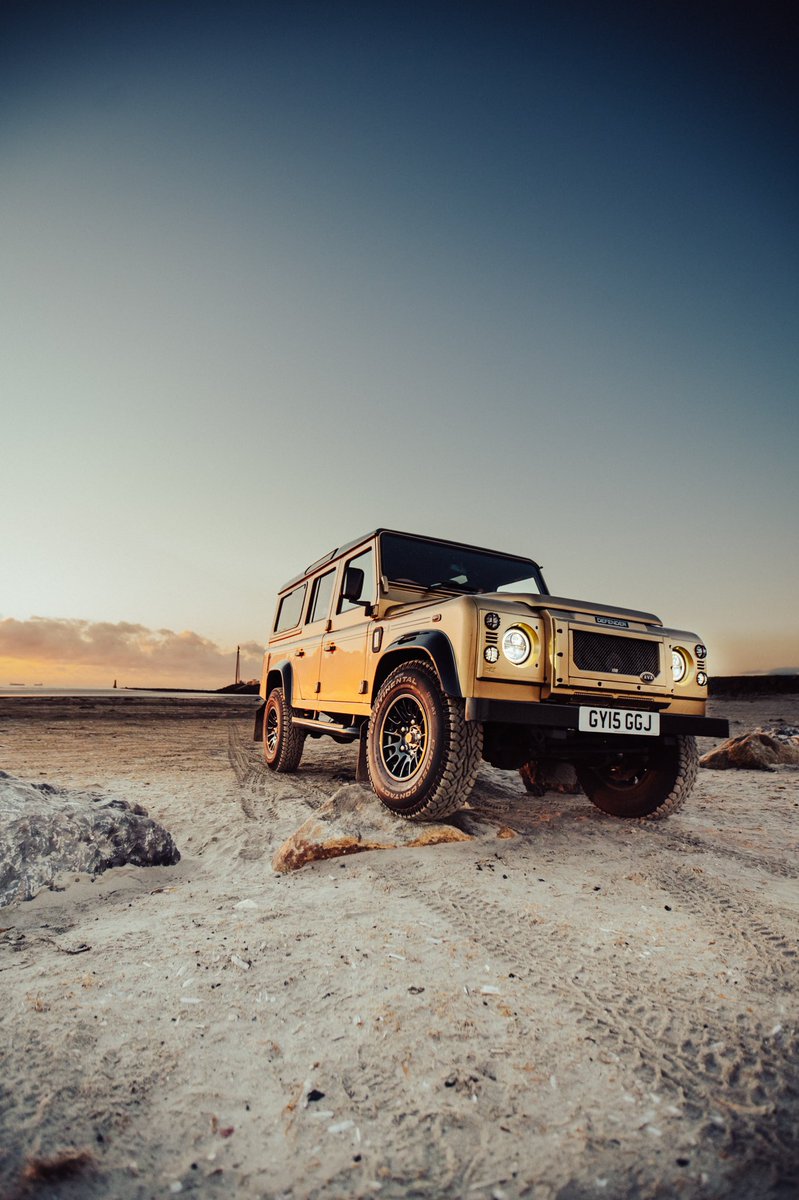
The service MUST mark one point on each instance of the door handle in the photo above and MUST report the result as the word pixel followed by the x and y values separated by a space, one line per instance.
pixel 329 648
pixel 299 653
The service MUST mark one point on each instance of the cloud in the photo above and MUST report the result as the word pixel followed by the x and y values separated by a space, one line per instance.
pixel 72 648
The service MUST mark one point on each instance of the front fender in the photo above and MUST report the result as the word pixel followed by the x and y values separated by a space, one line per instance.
pixel 433 644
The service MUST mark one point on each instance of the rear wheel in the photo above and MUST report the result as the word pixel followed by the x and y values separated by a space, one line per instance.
pixel 422 754
pixel 283 741
pixel 652 784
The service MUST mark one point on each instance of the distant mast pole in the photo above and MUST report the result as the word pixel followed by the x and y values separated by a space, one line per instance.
pixel 238 664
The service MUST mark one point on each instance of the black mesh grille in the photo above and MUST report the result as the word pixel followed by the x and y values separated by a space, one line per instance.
pixel 608 654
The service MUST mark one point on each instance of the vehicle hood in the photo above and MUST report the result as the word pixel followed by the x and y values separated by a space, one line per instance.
pixel 563 604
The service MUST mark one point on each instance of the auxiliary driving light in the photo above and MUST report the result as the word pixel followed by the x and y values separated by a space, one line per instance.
pixel 700 651
pixel 701 678
pixel 491 654
pixel 491 620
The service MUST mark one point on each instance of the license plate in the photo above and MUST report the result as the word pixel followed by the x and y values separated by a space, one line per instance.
pixel 618 720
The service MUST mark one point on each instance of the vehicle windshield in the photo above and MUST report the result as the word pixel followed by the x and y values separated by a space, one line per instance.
pixel 437 566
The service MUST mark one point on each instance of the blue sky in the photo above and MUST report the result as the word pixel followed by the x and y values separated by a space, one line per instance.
pixel 518 274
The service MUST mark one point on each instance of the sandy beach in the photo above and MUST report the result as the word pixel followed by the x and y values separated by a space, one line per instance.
pixel 588 1008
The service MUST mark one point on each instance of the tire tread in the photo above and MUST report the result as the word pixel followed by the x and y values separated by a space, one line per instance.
pixel 463 757
pixel 292 739
pixel 684 778
pixel 683 784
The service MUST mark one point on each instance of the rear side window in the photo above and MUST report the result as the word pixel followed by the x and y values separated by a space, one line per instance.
pixel 290 609
pixel 322 593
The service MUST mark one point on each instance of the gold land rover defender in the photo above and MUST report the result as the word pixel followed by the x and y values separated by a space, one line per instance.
pixel 434 655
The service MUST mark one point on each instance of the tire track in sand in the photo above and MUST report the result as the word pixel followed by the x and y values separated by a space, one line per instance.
pixel 678 839
pixel 274 805
pixel 731 1076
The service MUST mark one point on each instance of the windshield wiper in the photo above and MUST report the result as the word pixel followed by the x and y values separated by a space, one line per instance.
pixel 440 586
pixel 452 586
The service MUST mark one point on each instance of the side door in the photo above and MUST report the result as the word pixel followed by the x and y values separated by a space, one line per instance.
pixel 343 658
pixel 305 662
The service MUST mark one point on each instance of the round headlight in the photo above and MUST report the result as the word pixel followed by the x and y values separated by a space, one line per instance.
pixel 679 665
pixel 516 645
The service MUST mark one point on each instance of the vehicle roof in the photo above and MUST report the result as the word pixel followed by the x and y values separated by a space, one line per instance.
pixel 367 537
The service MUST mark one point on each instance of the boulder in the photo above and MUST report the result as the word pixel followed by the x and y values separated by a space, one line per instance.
pixel 540 776
pixel 45 830
pixel 352 821
pixel 760 750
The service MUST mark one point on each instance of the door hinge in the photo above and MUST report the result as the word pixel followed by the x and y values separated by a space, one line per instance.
pixel 362 690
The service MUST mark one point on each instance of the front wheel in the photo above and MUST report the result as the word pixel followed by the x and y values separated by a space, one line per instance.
pixel 422 754
pixel 283 741
pixel 654 783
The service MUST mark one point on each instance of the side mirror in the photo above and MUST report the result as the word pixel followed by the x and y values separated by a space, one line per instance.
pixel 353 586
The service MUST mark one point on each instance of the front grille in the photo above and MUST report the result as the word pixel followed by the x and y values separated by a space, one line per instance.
pixel 608 654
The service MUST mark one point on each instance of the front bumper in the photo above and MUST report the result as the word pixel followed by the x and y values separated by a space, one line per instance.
pixel 565 716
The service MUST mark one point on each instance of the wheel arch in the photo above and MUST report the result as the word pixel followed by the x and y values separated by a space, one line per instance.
pixel 279 676
pixel 430 644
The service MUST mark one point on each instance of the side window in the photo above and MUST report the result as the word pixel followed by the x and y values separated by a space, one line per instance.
pixel 290 609
pixel 322 593
pixel 363 562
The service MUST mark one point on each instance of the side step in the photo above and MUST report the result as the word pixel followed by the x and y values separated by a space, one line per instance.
pixel 352 731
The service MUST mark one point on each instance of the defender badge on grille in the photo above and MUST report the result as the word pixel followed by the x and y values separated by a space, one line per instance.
pixel 647 677
pixel 614 622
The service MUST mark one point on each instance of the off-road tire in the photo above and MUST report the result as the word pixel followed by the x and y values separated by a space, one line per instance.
pixel 449 747
pixel 283 741
pixel 643 789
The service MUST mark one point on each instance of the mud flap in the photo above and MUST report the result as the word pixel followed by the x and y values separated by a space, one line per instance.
pixel 361 770
pixel 258 732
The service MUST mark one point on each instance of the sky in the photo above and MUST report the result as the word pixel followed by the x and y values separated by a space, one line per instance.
pixel 518 274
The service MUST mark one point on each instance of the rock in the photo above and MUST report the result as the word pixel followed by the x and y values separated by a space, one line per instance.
pixel 759 750
pixel 64 1165
pixel 45 830
pixel 350 822
pixel 549 775
pixel 783 732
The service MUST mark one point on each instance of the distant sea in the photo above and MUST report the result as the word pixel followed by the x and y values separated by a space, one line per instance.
pixel 119 693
